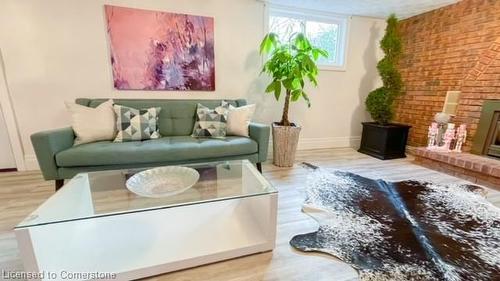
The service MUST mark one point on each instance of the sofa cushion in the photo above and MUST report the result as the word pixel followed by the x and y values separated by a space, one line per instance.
pixel 92 124
pixel 210 123
pixel 136 124
pixel 175 149
pixel 176 117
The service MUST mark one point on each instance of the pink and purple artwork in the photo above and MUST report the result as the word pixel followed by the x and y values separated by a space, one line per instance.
pixel 153 50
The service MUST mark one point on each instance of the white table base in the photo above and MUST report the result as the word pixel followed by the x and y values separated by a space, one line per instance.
pixel 147 243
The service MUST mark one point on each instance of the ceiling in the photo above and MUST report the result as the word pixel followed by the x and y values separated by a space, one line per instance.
pixel 370 8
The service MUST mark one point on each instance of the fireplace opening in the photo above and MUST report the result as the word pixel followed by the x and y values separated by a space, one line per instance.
pixel 494 142
pixel 487 140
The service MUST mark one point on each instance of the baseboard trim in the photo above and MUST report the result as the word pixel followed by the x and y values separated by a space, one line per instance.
pixel 323 143
pixel 333 142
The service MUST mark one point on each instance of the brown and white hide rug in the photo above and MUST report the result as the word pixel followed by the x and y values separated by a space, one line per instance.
pixel 406 230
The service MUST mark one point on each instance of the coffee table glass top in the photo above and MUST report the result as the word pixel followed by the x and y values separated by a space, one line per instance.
pixel 103 193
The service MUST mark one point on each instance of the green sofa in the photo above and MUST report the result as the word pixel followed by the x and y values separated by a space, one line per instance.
pixel 59 159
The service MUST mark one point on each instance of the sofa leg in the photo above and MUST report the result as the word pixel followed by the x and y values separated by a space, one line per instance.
pixel 59 184
pixel 259 167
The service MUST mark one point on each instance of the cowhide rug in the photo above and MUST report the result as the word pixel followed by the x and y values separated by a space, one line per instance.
pixel 405 230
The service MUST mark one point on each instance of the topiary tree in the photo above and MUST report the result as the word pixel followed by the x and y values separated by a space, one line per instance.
pixel 379 102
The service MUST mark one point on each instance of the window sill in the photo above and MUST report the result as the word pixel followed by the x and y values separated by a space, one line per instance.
pixel 332 68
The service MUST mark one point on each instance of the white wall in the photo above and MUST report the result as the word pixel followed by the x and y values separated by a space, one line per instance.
pixel 56 50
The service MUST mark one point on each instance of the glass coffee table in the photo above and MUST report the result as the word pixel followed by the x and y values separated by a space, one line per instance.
pixel 95 225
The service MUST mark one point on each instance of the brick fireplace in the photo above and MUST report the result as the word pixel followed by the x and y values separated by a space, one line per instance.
pixel 455 48
pixel 482 165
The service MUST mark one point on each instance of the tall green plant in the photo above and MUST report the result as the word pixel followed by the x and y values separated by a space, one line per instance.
pixel 379 102
pixel 290 64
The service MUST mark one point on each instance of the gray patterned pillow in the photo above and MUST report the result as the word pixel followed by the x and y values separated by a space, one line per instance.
pixel 210 123
pixel 136 124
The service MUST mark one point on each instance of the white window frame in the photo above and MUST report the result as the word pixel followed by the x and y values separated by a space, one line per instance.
pixel 305 14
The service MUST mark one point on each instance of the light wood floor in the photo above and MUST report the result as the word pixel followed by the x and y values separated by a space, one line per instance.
pixel 22 192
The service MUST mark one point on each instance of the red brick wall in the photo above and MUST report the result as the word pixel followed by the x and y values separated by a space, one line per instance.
pixel 453 48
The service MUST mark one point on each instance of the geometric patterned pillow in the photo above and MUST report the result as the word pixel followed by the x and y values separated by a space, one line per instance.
pixel 211 123
pixel 136 124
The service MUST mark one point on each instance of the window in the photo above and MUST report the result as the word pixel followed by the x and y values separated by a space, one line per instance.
pixel 324 31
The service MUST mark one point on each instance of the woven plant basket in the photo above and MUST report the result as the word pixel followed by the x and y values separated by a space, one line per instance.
pixel 285 139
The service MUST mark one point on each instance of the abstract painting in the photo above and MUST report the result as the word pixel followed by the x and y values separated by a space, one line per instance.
pixel 153 50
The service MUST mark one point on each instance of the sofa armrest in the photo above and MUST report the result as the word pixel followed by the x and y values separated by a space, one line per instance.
pixel 47 144
pixel 260 134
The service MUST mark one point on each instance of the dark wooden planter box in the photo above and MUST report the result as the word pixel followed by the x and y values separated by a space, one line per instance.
pixel 384 141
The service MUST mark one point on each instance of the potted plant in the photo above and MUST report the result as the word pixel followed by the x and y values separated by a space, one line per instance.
pixel 290 64
pixel 383 139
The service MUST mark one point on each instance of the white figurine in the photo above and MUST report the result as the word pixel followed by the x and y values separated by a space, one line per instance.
pixel 449 136
pixel 461 137
pixel 432 135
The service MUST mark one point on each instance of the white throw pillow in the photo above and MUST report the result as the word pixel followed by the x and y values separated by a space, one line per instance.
pixel 238 119
pixel 92 124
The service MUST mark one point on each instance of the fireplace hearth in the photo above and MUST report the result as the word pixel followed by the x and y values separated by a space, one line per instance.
pixel 487 139
pixel 482 166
